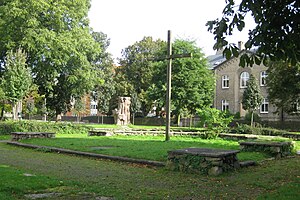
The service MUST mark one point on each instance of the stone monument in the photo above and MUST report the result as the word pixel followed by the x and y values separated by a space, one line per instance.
pixel 122 114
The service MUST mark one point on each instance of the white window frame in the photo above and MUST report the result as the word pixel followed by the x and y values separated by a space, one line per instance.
pixel 263 76
pixel 296 107
pixel 224 105
pixel 264 107
pixel 225 81
pixel 244 77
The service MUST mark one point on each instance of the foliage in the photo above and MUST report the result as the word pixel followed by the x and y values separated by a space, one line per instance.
pixel 275 36
pixel 32 126
pixel 16 80
pixel 284 86
pixel 56 36
pixel 215 120
pixel 138 68
pixel 246 129
pixel 252 97
pixel 192 81
pixel 105 86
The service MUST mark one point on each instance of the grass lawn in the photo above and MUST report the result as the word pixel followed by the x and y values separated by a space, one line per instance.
pixel 141 147
pixel 83 178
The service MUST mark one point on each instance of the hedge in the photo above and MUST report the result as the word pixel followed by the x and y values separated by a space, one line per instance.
pixel 6 127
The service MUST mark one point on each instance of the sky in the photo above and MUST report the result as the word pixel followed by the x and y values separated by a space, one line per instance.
pixel 128 21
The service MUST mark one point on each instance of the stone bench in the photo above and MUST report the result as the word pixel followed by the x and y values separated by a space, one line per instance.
pixel 99 133
pixel 276 149
pixel 27 135
pixel 203 160
pixel 292 136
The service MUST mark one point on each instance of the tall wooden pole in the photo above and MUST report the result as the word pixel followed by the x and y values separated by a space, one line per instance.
pixel 169 75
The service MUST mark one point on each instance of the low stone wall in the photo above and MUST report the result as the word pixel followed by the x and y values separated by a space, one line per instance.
pixel 202 160
pixel 276 149
pixel 27 135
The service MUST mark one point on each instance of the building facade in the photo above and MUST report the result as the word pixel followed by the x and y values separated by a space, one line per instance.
pixel 231 82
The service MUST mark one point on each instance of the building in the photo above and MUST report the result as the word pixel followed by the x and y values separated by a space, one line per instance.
pixel 231 82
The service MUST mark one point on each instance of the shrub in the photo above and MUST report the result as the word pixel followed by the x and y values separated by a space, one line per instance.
pixel 215 120
pixel 7 127
pixel 246 129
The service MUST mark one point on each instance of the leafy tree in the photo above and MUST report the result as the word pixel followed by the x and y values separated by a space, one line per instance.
pixel 57 39
pixel 135 105
pixel 192 81
pixel 252 97
pixel 275 36
pixel 137 66
pixel 17 78
pixel 283 83
pixel 104 67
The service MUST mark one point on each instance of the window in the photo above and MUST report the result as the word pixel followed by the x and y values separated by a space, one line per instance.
pixel 264 107
pixel 244 79
pixel 263 77
pixel 225 81
pixel 225 105
pixel 296 107
pixel 93 106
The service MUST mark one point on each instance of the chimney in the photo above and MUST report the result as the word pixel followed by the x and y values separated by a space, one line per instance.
pixel 241 45
pixel 220 51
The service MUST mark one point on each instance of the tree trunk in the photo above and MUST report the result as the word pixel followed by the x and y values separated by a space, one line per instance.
pixel 102 119
pixel 191 121
pixel 251 123
pixel 58 117
pixel 178 120
pixel 133 115
pixel 14 111
pixel 2 113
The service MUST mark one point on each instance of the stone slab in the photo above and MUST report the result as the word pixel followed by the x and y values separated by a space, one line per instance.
pixel 271 144
pixel 205 152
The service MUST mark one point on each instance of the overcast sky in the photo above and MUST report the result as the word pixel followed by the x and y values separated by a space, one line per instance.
pixel 128 21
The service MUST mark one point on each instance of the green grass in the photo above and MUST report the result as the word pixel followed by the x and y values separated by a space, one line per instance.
pixel 140 147
pixel 76 177
pixel 15 183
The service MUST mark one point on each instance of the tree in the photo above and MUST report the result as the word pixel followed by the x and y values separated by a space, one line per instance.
pixel 276 35
pixel 104 67
pixel 192 81
pixel 137 66
pixel 56 36
pixel 16 80
pixel 283 83
pixel 252 97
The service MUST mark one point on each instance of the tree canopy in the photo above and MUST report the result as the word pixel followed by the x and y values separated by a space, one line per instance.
pixel 56 36
pixel 138 68
pixel 192 81
pixel 16 80
pixel 276 35
pixel 283 83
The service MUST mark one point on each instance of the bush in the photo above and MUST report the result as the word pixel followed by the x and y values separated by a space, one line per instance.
pixel 246 129
pixel 7 127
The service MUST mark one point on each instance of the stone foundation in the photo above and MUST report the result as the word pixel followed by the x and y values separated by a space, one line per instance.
pixel 276 149
pixel 202 160
pixel 27 135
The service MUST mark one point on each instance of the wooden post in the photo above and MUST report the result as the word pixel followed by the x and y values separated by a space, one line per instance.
pixel 169 75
